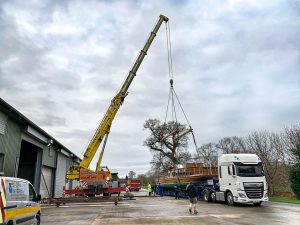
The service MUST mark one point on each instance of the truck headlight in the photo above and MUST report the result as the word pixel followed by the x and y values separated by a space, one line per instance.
pixel 266 194
pixel 241 195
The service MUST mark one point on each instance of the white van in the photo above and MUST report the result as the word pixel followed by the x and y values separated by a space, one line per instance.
pixel 18 202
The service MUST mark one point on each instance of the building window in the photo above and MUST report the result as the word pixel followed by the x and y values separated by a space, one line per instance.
pixel 32 195
pixel 229 172
pixel 1 163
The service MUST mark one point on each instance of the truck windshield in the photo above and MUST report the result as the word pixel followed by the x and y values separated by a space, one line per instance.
pixel 249 170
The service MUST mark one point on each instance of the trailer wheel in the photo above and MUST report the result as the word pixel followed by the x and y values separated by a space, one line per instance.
pixel 213 196
pixel 207 196
pixel 229 199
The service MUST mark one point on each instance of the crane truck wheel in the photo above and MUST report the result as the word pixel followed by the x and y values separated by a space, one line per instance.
pixel 229 199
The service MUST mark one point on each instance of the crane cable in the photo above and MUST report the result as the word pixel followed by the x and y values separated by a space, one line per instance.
pixel 172 92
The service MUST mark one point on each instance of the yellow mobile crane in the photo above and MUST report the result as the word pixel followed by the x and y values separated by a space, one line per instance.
pixel 82 172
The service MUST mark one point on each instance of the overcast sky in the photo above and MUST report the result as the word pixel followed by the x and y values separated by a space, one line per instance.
pixel 236 68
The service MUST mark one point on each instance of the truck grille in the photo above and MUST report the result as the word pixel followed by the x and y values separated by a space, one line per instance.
pixel 254 190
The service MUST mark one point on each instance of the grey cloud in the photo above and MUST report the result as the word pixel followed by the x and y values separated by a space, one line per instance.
pixel 50 120
pixel 236 67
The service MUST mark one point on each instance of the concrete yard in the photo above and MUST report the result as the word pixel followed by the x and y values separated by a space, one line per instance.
pixel 168 211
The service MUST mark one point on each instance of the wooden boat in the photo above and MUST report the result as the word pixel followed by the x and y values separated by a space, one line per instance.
pixel 192 172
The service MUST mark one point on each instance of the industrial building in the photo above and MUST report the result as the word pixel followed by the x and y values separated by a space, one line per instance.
pixel 28 152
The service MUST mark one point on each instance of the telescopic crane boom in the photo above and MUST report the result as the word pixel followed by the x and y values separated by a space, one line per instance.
pixel 104 126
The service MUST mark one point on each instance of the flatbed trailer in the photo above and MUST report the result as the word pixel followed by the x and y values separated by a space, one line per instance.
pixel 81 199
pixel 240 179
pixel 168 189
pixel 94 192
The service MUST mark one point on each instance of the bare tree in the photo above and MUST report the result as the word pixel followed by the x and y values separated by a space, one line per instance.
pixel 292 142
pixel 131 174
pixel 292 138
pixel 208 154
pixel 164 140
pixel 160 164
pixel 233 144
pixel 269 147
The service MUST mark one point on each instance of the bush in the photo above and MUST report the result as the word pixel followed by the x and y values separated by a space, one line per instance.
pixel 294 177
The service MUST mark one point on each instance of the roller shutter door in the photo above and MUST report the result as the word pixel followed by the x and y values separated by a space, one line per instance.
pixel 46 182
pixel 61 170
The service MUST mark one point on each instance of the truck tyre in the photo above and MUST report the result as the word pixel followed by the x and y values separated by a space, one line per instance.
pixel 206 196
pixel 229 199
pixel 257 204
pixel 213 196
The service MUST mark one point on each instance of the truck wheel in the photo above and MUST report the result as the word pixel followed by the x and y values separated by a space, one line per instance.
pixel 213 196
pixel 257 204
pixel 229 199
pixel 207 197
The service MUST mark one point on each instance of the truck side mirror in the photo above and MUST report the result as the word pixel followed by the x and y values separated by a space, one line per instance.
pixel 38 198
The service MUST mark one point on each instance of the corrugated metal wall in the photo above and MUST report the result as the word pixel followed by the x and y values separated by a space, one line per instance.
pixel 10 144
pixel 49 156
pixel 3 121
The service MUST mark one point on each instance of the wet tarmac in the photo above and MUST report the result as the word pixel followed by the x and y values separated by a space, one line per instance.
pixel 167 211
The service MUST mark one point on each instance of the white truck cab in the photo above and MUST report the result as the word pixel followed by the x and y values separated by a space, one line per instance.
pixel 18 202
pixel 241 180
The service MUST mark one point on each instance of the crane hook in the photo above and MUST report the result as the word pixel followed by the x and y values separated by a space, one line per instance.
pixel 171 82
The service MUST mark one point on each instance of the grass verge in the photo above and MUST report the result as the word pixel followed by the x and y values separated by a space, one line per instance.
pixel 285 199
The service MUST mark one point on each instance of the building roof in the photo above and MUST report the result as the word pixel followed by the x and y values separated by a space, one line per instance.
pixel 20 118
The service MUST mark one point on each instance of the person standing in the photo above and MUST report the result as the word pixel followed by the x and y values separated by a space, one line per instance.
pixel 149 189
pixel 176 190
pixel 160 190
pixel 192 193
pixel 154 189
